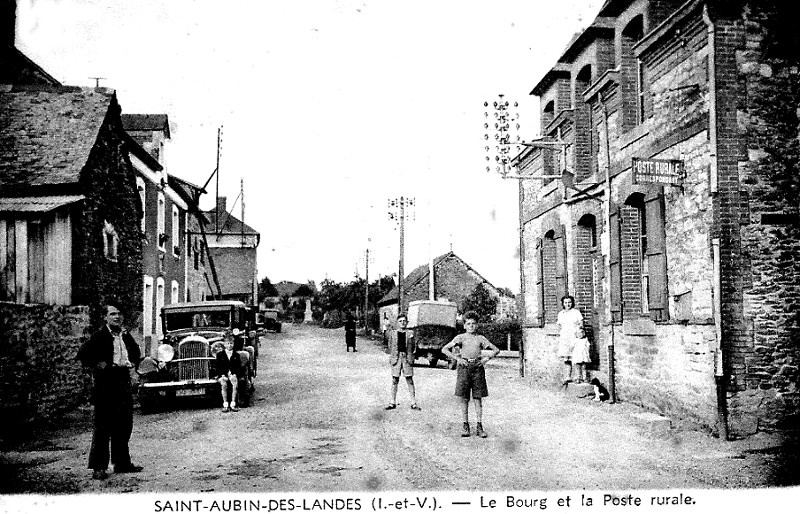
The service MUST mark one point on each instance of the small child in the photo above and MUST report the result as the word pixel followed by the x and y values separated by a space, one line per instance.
pixel 471 376
pixel 580 354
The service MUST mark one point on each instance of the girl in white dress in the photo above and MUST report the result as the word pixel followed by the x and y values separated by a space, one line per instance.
pixel 580 354
pixel 569 321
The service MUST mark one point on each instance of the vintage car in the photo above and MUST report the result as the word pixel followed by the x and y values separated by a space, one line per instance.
pixel 184 363
pixel 268 319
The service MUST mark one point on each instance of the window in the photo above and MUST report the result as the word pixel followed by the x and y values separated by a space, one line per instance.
pixel 631 76
pixel 176 231
pixel 147 310
pixel 551 282
pixel 583 126
pixel 162 236
pixel 174 292
pixel 143 197
pixel 638 258
pixel 110 241
pixel 159 306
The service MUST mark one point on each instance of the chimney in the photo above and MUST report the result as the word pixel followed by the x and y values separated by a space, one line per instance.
pixel 8 22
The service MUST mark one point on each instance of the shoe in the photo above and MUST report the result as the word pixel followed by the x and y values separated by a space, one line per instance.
pixel 225 409
pixel 99 474
pixel 465 431
pixel 235 408
pixel 479 431
pixel 130 468
pixel 391 406
pixel 414 406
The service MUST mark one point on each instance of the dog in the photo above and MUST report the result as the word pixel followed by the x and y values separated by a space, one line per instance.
pixel 600 392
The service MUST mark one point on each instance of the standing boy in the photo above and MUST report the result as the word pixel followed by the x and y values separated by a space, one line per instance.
pixel 401 357
pixel 471 376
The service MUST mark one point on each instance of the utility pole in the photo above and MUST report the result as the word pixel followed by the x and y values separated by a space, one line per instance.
pixel 216 206
pixel 366 297
pixel 404 205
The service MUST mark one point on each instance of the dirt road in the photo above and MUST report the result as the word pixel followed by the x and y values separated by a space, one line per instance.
pixel 318 424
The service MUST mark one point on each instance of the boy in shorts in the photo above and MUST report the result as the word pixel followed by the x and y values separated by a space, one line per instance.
pixel 401 357
pixel 471 374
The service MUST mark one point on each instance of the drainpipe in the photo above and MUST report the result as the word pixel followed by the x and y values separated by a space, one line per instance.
pixel 720 379
pixel 521 304
pixel 612 388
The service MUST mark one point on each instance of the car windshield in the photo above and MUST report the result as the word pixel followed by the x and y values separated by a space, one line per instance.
pixel 181 320
pixel 270 314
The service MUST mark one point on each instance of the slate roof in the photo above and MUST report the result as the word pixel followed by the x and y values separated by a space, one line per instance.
pixel 229 224
pixel 46 134
pixel 139 122
pixel 421 273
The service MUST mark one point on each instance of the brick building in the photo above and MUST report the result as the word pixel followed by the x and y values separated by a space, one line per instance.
pixel 676 224
pixel 171 256
pixel 453 280
pixel 232 246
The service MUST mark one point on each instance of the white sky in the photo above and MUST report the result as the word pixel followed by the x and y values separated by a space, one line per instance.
pixel 329 109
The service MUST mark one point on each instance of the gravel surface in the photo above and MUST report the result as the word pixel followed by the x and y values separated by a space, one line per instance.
pixel 318 424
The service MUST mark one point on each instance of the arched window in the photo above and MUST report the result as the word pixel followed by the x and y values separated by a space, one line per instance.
pixel 632 82
pixel 552 280
pixel 585 139
pixel 638 258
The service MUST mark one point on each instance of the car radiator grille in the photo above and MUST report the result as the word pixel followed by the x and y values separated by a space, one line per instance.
pixel 196 367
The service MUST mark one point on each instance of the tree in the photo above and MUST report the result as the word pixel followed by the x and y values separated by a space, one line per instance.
pixel 266 289
pixel 304 291
pixel 482 302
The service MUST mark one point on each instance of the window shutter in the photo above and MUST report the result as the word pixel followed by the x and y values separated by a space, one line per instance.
pixel 561 265
pixel 539 289
pixel 657 256
pixel 614 264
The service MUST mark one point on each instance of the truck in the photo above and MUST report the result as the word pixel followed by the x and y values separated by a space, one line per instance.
pixel 434 325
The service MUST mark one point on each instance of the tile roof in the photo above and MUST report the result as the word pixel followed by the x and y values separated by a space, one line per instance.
pixel 137 122
pixel 46 134
pixel 421 273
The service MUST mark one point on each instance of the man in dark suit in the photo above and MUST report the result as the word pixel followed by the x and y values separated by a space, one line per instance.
pixel 111 353
pixel 229 369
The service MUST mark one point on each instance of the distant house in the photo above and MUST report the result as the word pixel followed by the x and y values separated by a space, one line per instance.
pixel 69 207
pixel 232 245
pixel 287 290
pixel 454 280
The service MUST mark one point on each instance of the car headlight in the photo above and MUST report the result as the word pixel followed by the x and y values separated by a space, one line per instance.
pixel 165 353
pixel 236 332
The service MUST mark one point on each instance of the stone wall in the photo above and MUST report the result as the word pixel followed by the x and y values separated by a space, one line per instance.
pixel 39 376
pixel 763 348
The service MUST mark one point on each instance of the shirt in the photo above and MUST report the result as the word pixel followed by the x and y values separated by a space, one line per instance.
pixel 120 352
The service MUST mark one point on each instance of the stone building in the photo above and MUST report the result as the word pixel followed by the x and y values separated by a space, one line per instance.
pixel 675 225
pixel 69 210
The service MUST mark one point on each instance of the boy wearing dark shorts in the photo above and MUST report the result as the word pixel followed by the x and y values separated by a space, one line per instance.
pixel 471 375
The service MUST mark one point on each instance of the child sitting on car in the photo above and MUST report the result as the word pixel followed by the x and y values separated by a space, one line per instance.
pixel 229 370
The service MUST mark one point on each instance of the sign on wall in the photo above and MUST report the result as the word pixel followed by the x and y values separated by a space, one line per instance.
pixel 658 171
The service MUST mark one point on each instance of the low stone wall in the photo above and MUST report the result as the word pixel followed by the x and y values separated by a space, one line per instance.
pixel 39 376
pixel 670 369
